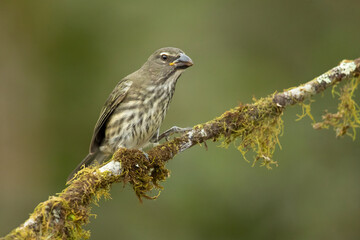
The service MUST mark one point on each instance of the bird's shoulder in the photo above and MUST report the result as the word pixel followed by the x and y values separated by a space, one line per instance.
pixel 118 93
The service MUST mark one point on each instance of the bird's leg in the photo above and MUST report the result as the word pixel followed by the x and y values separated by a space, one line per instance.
pixel 154 139
pixel 171 131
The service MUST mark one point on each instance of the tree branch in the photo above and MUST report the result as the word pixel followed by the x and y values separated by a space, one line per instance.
pixel 256 125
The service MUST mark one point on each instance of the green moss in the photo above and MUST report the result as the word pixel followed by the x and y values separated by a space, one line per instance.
pixel 306 111
pixel 74 203
pixel 52 224
pixel 347 119
pixel 142 174
pixel 255 127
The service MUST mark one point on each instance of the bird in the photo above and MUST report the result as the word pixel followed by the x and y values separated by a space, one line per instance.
pixel 134 111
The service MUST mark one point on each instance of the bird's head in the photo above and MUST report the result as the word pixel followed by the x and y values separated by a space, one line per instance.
pixel 165 61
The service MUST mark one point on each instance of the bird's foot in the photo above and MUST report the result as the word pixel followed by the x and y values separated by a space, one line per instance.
pixel 172 131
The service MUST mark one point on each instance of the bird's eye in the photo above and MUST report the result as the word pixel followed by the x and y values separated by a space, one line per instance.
pixel 164 57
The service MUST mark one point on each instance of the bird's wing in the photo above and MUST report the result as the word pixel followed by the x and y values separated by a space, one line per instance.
pixel 115 98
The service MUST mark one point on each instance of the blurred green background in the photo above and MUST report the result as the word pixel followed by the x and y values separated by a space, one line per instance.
pixel 59 60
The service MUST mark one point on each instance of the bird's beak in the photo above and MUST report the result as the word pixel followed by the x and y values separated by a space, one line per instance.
pixel 183 61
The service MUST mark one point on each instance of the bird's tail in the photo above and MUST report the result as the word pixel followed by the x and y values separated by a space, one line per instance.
pixel 97 156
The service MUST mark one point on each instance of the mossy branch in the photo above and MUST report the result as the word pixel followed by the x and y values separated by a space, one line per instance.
pixel 256 126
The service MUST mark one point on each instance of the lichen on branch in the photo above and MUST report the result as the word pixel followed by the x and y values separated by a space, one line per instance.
pixel 254 126
pixel 347 119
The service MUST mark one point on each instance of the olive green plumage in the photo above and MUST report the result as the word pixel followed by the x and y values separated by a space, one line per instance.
pixel 135 109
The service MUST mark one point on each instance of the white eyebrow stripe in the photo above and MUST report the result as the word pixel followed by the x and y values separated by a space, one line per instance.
pixel 166 53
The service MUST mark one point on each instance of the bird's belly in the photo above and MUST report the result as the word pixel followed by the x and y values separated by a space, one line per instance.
pixel 133 128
